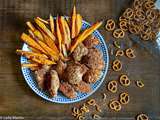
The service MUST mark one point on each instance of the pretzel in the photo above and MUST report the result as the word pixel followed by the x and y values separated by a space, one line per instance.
pixel 149 4
pixel 137 4
pixel 76 112
pixel 117 65
pixel 123 25
pixel 128 13
pixel 142 117
pixel 119 53
pixel 112 86
pixel 98 108
pixel 134 29
pixel 81 117
pixel 115 105
pixel 122 18
pixel 130 53
pixel 144 36
pixel 110 25
pixel 153 35
pixel 91 102
pixel 124 80
pixel 139 15
pixel 124 98
pixel 117 44
pixel 84 108
pixel 118 33
pixel 151 15
pixel 139 83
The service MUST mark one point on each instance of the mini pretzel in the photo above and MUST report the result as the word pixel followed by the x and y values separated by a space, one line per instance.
pixel 137 4
pixel 118 33
pixel 123 25
pixel 76 112
pixel 128 13
pixel 124 98
pixel 110 25
pixel 142 117
pixel 139 15
pixel 122 18
pixel 124 80
pixel 130 53
pixel 117 65
pixel 115 105
pixel 112 86
pixel 139 83
pixel 149 4
pixel 84 108
pixel 153 35
pixel 144 36
pixel 134 29
pixel 119 53
pixel 91 102
pixel 151 15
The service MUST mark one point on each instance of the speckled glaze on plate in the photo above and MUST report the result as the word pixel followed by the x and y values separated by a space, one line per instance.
pixel 31 81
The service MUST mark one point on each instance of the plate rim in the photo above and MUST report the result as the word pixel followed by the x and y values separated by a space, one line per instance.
pixel 89 94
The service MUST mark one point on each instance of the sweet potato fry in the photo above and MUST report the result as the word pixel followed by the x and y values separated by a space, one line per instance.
pixel 84 35
pixel 38 58
pixel 59 36
pixel 49 51
pixel 34 50
pixel 38 35
pixel 42 20
pixel 50 43
pixel 29 24
pixel 65 32
pixel 31 33
pixel 34 32
pixel 29 54
pixel 27 39
pixel 51 21
pixel 45 29
pixel 73 23
pixel 78 24
pixel 42 60
pixel 64 50
pixel 30 65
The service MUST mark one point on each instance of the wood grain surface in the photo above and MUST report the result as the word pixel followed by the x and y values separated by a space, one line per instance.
pixel 17 99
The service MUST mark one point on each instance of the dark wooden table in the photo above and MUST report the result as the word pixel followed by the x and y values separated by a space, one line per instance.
pixel 17 99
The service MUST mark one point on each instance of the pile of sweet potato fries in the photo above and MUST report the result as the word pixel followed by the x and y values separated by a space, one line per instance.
pixel 53 39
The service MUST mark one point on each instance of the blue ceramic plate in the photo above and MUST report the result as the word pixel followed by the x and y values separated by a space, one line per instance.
pixel 31 81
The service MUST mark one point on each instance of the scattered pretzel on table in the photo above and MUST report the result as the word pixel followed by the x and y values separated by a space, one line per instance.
pixel 139 83
pixel 142 117
pixel 119 53
pixel 115 105
pixel 123 25
pixel 117 65
pixel 118 33
pixel 130 53
pixel 124 98
pixel 124 80
pixel 128 13
pixel 110 25
pixel 112 86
